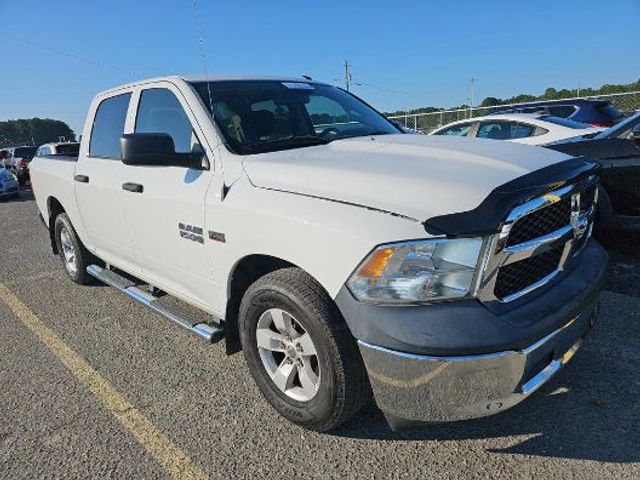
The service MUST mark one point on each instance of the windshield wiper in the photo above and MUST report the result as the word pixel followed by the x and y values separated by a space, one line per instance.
pixel 378 132
pixel 290 142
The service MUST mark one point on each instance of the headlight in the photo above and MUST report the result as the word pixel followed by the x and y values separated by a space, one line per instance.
pixel 418 271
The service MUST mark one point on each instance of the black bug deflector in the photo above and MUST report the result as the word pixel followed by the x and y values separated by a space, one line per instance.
pixel 486 218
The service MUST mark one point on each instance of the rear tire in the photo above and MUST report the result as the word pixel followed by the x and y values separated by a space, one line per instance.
pixel 73 254
pixel 325 382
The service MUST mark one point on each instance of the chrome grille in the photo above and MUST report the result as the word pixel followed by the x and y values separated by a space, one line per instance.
pixel 519 275
pixel 540 222
pixel 537 240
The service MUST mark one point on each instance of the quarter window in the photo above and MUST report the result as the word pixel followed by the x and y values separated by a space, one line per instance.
pixel 108 127
pixel 160 112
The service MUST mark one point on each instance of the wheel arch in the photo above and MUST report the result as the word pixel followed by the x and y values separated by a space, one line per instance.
pixel 54 208
pixel 246 271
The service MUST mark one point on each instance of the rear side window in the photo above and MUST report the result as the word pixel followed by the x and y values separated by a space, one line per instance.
pixel 457 130
pixel 160 112
pixel 108 127
pixel 495 130
pixel 522 130
pixel 505 130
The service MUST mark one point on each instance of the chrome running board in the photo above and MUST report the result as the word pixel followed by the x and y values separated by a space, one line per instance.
pixel 208 332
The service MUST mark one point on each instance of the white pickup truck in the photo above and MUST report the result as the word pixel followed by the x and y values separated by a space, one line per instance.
pixel 448 277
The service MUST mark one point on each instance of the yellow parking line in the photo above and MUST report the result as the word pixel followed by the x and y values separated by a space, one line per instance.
pixel 152 439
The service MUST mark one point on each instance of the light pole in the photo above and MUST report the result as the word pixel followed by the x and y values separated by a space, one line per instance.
pixel 471 93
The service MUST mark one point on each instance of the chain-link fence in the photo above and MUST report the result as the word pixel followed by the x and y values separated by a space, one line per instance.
pixel 426 122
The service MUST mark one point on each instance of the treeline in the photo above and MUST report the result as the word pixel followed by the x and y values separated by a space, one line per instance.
pixel 33 131
pixel 549 94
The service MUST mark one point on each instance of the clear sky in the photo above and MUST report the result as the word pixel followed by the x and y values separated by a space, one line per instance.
pixel 55 55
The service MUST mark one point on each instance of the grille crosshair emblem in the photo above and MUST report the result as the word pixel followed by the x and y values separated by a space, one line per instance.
pixel 579 220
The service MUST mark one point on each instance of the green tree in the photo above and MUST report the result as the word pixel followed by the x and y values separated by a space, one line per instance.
pixel 34 131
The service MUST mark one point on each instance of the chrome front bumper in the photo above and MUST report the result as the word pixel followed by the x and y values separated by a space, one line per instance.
pixel 412 388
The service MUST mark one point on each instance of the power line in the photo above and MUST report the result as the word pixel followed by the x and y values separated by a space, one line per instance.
pixel 62 53
pixel 406 92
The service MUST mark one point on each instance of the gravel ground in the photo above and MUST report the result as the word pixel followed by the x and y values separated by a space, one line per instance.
pixel 584 424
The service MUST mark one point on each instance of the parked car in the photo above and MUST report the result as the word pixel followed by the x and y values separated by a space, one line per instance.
pixel 4 158
pixel 531 129
pixel 452 277
pixel 58 148
pixel 8 184
pixel 618 151
pixel 19 159
pixel 598 113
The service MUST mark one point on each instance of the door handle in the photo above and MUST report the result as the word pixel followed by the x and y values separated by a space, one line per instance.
pixel 132 187
pixel 81 178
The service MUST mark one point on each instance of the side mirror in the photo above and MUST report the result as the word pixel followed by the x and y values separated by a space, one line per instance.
pixel 155 149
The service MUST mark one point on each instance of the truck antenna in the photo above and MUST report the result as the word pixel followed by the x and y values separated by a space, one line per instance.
pixel 203 54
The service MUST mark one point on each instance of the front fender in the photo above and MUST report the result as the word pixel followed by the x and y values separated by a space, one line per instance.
pixel 327 239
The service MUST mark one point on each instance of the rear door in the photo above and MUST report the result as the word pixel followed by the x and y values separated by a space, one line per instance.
pixel 98 183
pixel 166 217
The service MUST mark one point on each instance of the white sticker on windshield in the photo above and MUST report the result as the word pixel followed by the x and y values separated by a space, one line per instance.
pixel 298 85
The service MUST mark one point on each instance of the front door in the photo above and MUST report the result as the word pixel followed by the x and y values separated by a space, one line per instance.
pixel 166 215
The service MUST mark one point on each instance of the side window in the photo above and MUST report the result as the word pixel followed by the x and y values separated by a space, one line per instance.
pixel 108 127
pixel 522 130
pixel 495 130
pixel 44 151
pixel 160 111
pixel 461 130
pixel 505 130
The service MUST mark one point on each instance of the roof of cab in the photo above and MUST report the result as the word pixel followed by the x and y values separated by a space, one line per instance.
pixel 211 77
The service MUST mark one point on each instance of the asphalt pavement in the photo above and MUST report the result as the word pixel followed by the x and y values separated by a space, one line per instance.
pixel 93 385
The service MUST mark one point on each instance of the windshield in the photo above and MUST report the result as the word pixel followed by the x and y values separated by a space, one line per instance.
pixel 265 116
pixel 621 129
pixel 565 122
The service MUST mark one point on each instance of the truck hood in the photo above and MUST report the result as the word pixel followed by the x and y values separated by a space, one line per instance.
pixel 416 176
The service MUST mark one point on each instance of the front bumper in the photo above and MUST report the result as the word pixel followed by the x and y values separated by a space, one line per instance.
pixel 460 360
pixel 413 389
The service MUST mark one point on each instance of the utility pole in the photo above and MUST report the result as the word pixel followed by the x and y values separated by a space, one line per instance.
pixel 347 75
pixel 471 87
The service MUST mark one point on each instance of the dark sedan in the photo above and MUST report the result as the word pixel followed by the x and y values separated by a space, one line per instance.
pixel 618 151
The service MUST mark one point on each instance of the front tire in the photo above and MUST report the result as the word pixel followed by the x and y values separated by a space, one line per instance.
pixel 73 254
pixel 300 351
